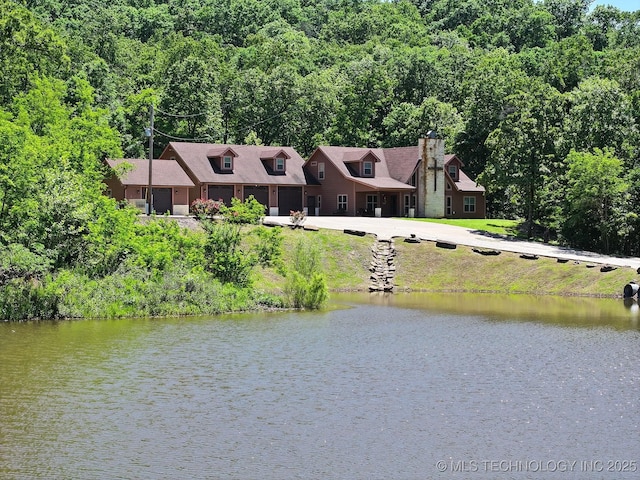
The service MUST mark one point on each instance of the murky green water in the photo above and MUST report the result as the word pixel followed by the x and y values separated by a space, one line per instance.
pixel 404 387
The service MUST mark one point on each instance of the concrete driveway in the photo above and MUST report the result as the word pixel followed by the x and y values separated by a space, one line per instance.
pixel 386 228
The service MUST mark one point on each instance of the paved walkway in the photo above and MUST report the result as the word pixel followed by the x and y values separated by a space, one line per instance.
pixel 386 228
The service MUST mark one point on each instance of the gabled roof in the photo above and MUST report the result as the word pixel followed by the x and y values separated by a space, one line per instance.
pixel 464 183
pixel 341 156
pixel 221 151
pixel 165 173
pixel 248 167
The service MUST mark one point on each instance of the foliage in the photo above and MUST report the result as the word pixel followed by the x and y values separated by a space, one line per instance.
pixel 250 211
pixel 514 87
pixel 297 218
pixel 269 248
pixel 596 200
pixel 306 286
pixel 206 208
pixel 223 256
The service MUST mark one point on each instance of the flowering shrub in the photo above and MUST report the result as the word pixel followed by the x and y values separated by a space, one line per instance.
pixel 297 218
pixel 206 208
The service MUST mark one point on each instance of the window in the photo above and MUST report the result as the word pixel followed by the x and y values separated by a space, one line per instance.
pixel 321 171
pixel 469 204
pixel 279 164
pixel 372 202
pixel 453 172
pixel 413 181
pixel 227 163
pixel 449 205
pixel 342 203
pixel 367 169
pixel 319 201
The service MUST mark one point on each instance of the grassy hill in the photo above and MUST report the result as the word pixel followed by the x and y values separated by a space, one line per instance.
pixel 424 267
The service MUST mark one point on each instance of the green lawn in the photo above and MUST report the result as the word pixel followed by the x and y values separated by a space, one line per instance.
pixel 491 225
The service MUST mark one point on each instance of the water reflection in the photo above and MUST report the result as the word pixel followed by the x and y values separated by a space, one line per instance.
pixel 569 311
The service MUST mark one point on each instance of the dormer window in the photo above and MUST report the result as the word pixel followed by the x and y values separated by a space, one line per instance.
pixel 367 169
pixel 453 172
pixel 279 165
pixel 227 163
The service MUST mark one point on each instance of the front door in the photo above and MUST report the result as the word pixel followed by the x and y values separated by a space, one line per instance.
pixel 311 205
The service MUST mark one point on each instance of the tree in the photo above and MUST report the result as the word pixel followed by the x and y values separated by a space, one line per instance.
pixel 523 150
pixel 486 88
pixel 599 116
pixel 406 123
pixel 27 50
pixel 595 208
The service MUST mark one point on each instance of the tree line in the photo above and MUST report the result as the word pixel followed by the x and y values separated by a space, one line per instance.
pixel 541 100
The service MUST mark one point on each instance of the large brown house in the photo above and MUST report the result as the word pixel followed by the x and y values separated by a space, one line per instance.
pixel 406 181
pixel 355 181
pixel 273 175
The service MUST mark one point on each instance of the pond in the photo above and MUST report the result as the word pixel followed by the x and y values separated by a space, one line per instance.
pixel 412 386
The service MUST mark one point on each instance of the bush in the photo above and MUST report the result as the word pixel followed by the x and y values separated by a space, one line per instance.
pixel 206 208
pixel 297 218
pixel 306 286
pixel 269 247
pixel 223 256
pixel 251 211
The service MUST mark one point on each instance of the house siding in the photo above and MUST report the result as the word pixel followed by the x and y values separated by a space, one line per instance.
pixel 334 184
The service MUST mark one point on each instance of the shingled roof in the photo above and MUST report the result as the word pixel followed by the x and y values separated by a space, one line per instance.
pixel 249 167
pixel 340 156
pixel 165 173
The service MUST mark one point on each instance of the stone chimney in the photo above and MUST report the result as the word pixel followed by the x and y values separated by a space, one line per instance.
pixel 431 184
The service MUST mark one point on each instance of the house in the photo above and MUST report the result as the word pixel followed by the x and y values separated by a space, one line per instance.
pixel 273 175
pixel 407 181
pixel 354 181
pixel 464 198
pixel 129 181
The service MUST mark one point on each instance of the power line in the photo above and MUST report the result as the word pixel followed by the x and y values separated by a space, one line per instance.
pixel 183 139
pixel 180 116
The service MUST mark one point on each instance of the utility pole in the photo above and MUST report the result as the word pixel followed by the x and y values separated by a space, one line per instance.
pixel 149 133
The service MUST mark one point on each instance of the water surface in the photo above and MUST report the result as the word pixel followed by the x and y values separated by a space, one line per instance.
pixel 403 387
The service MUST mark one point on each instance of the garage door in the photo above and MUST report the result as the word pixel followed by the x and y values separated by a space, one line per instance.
pixel 162 200
pixel 224 192
pixel 289 198
pixel 261 194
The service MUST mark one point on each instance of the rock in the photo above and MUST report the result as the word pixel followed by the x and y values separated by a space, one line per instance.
pixel 443 244
pixel 486 252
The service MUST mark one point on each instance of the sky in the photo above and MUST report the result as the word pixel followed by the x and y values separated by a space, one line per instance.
pixel 627 5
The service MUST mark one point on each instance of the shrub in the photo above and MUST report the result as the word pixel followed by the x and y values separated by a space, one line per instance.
pixel 250 211
pixel 297 218
pixel 306 286
pixel 202 208
pixel 269 247
pixel 223 256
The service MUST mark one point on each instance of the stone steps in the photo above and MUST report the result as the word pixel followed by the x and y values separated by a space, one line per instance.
pixel 382 266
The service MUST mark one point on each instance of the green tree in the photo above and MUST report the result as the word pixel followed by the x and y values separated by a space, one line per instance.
pixel 406 123
pixel 594 212
pixel 523 150
pixel 600 116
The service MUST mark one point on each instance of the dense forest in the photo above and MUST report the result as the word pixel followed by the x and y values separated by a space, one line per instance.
pixel 540 99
